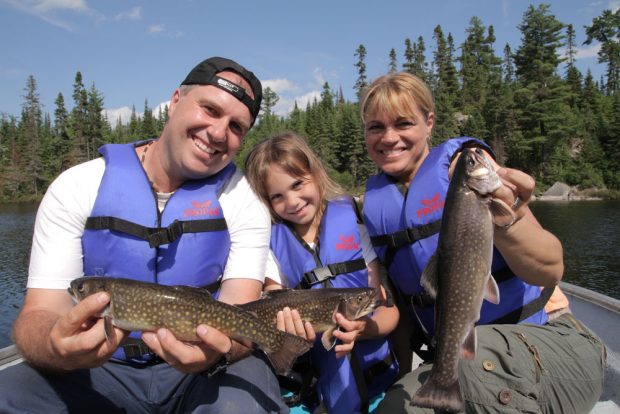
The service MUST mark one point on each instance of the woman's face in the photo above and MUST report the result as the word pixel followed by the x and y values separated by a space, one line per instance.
pixel 398 145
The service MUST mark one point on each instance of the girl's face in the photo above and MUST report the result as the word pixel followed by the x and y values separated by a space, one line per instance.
pixel 296 200
pixel 398 145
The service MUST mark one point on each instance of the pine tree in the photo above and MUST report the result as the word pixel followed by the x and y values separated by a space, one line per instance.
pixel 362 81
pixel 606 29
pixel 393 64
pixel 408 64
pixel 444 88
pixel 541 96
pixel 149 124
pixel 95 127
pixel 77 123
pixel 29 142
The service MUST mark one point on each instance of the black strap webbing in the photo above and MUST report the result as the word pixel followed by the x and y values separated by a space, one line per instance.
pixel 526 310
pixel 379 368
pixel 360 380
pixel 407 236
pixel 320 274
pixel 156 236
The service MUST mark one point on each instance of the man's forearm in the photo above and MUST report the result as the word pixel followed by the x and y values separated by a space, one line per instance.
pixel 31 334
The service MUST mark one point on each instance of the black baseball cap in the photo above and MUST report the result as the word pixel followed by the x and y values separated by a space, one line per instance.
pixel 205 73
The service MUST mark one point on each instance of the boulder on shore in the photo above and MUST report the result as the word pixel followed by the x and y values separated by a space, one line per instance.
pixel 558 191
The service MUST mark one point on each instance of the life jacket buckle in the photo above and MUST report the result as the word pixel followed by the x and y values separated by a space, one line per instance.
pixel 165 235
pixel 399 238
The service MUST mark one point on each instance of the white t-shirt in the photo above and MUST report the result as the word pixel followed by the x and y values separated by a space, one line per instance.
pixel 56 255
pixel 273 267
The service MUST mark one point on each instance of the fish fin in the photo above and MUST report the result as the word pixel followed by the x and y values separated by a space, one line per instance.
pixel 108 329
pixel 271 294
pixel 435 395
pixel 502 214
pixel 429 276
pixel 328 339
pixel 292 347
pixel 468 349
pixel 491 292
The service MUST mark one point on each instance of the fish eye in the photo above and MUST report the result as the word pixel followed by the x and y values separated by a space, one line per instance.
pixel 360 298
pixel 80 287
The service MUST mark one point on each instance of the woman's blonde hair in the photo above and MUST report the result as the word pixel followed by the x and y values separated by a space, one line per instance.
pixel 292 154
pixel 398 94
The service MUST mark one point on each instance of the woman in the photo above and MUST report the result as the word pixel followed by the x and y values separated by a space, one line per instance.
pixel 553 366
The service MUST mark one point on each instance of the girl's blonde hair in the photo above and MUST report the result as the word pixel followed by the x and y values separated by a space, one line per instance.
pixel 398 94
pixel 292 154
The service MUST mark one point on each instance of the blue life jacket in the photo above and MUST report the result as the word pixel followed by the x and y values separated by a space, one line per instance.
pixel 339 263
pixel 126 235
pixel 405 232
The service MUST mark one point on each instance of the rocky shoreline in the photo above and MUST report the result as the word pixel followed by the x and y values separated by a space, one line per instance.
pixel 564 192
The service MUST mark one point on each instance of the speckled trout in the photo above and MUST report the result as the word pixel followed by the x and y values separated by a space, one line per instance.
pixel 142 306
pixel 317 306
pixel 459 275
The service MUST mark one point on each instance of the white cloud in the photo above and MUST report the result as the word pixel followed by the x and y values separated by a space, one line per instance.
pixel 157 28
pixel 132 14
pixel 46 10
pixel 124 113
pixel 588 51
pixel 285 105
pixel 160 30
pixel 113 115
pixel 280 85
pixel 584 52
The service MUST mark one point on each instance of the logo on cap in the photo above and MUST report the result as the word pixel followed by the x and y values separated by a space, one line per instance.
pixel 229 86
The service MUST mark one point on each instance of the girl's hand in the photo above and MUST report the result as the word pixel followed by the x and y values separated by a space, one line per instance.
pixel 290 321
pixel 349 332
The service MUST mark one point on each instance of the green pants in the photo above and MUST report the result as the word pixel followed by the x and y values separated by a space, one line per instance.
pixel 553 368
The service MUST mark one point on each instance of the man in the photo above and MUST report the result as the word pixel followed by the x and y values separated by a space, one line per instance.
pixel 81 229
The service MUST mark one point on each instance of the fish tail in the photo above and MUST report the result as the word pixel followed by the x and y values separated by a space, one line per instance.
pixel 434 395
pixel 292 346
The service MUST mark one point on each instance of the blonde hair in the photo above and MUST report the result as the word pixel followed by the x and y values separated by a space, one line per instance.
pixel 398 94
pixel 292 154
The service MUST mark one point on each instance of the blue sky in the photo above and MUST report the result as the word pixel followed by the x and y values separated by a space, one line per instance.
pixel 137 50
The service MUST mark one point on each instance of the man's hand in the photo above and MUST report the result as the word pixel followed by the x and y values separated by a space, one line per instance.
pixel 78 337
pixel 186 357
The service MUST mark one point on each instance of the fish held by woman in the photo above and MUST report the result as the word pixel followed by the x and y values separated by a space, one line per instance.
pixel 459 274
pixel 143 306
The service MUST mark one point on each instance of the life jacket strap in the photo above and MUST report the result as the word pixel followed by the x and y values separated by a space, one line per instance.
pixel 156 236
pixel 408 236
pixel 380 367
pixel 421 300
pixel 321 274
pixel 527 310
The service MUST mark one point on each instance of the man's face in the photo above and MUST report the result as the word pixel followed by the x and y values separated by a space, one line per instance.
pixel 205 129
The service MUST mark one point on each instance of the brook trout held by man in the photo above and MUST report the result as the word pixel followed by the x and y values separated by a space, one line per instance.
pixel 317 306
pixel 459 275
pixel 142 306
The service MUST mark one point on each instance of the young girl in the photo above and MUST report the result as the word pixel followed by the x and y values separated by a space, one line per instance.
pixel 316 226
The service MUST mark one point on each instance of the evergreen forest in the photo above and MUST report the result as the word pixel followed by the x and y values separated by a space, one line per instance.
pixel 529 102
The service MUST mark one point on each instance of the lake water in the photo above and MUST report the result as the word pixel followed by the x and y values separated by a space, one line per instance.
pixel 589 231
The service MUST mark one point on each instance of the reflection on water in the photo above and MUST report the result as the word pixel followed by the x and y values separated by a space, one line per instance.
pixel 16 225
pixel 590 234
pixel 589 231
